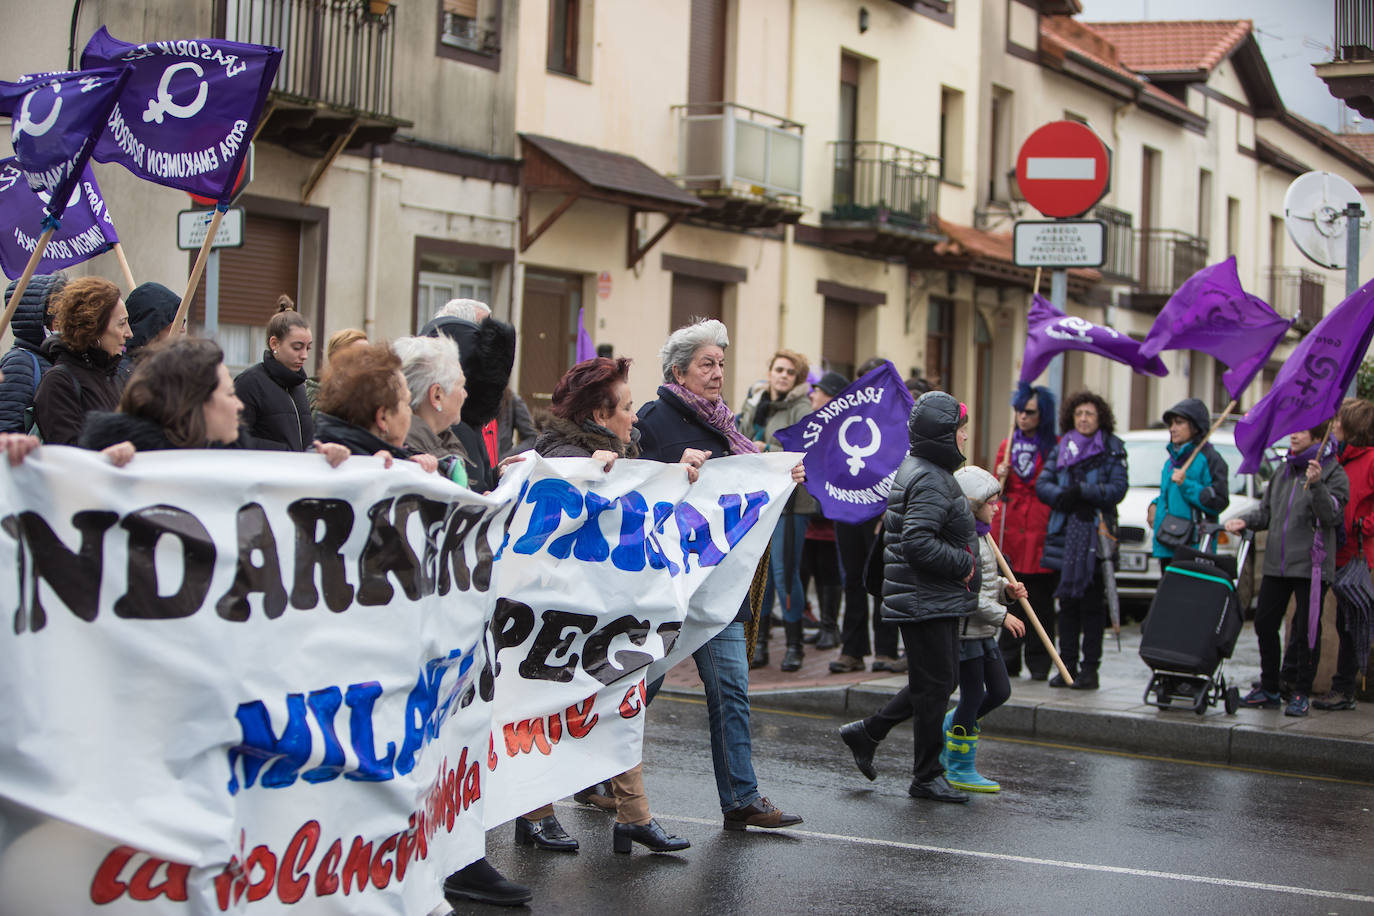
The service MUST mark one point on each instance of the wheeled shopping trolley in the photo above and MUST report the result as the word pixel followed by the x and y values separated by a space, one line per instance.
pixel 1192 627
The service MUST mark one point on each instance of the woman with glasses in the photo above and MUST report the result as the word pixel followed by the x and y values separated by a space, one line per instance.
pixel 1020 523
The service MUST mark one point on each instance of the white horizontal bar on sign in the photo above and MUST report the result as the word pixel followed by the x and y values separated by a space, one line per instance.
pixel 1056 168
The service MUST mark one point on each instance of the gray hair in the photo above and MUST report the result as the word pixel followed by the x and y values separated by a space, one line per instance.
pixel 684 343
pixel 472 310
pixel 427 361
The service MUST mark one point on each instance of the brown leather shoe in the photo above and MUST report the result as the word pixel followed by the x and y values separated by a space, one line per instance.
pixel 845 664
pixel 761 813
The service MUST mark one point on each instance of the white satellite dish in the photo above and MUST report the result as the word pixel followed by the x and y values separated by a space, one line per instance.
pixel 1313 211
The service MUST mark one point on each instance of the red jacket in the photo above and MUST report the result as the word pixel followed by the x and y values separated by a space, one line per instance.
pixel 1358 462
pixel 1020 520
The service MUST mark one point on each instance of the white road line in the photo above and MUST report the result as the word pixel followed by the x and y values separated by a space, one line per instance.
pixel 1056 863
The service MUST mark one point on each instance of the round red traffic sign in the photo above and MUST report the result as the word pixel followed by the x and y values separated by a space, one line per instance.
pixel 1063 169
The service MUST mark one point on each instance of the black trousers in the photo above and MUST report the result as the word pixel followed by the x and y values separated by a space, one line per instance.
pixel 1082 621
pixel 853 543
pixel 932 651
pixel 983 686
pixel 1269 612
pixel 1040 594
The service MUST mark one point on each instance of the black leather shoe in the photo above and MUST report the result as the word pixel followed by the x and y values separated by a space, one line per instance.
pixel 937 789
pixel 1058 681
pixel 483 883
pixel 651 835
pixel 1085 680
pixel 761 813
pixel 856 736
pixel 546 833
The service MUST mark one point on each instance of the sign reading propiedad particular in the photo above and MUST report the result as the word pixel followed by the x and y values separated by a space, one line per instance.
pixel 1060 243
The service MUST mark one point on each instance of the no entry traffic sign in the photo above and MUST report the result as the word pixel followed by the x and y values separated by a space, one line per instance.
pixel 1063 169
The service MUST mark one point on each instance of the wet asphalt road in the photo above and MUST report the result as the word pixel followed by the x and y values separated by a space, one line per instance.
pixel 1073 831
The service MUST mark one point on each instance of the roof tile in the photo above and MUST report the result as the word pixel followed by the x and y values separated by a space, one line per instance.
pixel 1163 47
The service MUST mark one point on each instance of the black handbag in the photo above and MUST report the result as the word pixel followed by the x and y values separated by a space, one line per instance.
pixel 1175 532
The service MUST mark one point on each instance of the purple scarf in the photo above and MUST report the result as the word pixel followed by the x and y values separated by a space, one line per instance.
pixel 1075 447
pixel 983 528
pixel 718 416
pixel 1297 464
pixel 1024 450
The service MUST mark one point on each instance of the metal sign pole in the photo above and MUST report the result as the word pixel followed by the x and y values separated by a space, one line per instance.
pixel 212 296
pixel 1059 297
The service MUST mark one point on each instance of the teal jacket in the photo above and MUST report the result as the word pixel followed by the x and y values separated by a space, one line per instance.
pixel 1205 489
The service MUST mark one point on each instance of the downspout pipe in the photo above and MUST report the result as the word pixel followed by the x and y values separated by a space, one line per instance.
pixel 374 216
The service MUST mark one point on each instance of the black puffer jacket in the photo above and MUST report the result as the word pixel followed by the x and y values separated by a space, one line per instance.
pixel 487 353
pixel 77 384
pixel 23 365
pixel 930 543
pixel 105 429
pixel 275 412
pixel 357 440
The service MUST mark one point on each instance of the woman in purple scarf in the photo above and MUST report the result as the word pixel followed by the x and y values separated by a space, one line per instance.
pixel 1082 482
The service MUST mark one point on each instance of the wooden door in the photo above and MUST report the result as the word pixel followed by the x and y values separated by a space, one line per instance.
pixel 547 334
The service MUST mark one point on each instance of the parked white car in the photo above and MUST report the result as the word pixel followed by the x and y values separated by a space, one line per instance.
pixel 1137 574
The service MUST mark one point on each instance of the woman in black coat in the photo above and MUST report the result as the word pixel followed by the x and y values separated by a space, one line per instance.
pixel 930 583
pixel 276 414
pixel 94 327
pixel 1082 482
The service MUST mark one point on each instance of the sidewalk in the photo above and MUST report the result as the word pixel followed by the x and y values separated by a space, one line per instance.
pixel 1333 744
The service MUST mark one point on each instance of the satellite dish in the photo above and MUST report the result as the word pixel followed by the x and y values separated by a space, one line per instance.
pixel 1314 212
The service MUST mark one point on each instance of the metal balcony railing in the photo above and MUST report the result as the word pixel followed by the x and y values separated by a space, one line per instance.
pixel 1120 264
pixel 1168 257
pixel 885 183
pixel 335 51
pixel 1354 30
pixel 1295 292
pixel 723 144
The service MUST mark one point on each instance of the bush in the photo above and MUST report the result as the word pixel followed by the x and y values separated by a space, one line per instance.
pixel 1364 380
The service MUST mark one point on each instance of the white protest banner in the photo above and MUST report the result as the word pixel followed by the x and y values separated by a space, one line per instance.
pixel 246 682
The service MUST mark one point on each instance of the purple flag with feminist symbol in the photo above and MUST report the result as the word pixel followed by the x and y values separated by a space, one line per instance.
pixel 585 348
pixel 854 445
pixel 55 119
pixel 1050 332
pixel 1309 388
pixel 188 112
pixel 1212 313
pixel 86 231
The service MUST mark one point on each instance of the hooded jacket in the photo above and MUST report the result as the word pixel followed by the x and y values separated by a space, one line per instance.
pixel 23 366
pixel 979 486
pixel 486 352
pixel 152 307
pixel 929 536
pixel 1358 463
pixel 1096 484
pixel 1292 513
pixel 275 412
pixel 1206 485
pixel 77 384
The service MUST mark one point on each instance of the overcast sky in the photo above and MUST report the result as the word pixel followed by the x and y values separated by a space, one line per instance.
pixel 1293 35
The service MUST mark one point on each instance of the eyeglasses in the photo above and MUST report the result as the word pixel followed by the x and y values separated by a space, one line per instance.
pixel 1030 413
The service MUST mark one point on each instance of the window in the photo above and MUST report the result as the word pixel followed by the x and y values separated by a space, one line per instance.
pixel 839 337
pixel 563 28
pixel 447 270
pixel 951 135
pixel 461 25
pixel 1204 204
pixel 470 31
pixel 1232 226
pixel 940 343
pixel 436 288
pixel 999 146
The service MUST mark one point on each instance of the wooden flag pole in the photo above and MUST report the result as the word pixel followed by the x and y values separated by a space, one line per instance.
pixel 178 323
pixel 124 266
pixel 25 277
pixel 1030 614
pixel 1326 437
pixel 1215 426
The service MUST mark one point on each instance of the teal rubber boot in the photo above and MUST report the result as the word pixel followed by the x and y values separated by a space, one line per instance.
pixel 944 747
pixel 962 750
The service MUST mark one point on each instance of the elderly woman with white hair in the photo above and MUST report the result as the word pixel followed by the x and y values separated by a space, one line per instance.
pixel 437 392
pixel 689 423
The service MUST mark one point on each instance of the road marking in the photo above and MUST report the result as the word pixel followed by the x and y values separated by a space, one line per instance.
pixel 1054 863
pixel 1061 168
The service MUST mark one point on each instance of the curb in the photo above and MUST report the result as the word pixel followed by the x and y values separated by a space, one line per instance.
pixel 1163 734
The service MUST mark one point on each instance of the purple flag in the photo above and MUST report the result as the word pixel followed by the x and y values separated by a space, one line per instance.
pixel 1213 314
pixel 1313 380
pixel 585 348
pixel 55 120
pixel 189 110
pixel 86 231
pixel 854 445
pixel 1050 332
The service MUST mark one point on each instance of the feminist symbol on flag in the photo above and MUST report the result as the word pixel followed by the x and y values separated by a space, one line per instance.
pixel 857 454
pixel 164 101
pixel 26 124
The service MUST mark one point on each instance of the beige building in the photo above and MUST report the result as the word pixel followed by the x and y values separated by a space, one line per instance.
pixel 834 176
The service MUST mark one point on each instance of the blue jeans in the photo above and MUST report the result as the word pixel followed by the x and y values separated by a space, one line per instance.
pixel 724 669
pixel 777 568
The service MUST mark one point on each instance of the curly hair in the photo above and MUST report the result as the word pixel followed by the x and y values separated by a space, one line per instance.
pixel 82 311
pixel 799 362
pixel 1105 420
pixel 589 386
pixel 359 382
pixel 170 386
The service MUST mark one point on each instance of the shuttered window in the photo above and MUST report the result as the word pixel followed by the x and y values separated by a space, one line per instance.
pixel 706 52
pixel 466 8
pixel 252 277
pixel 840 336
pixel 695 299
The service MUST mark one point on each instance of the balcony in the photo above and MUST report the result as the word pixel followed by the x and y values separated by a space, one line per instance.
pixel 886 198
pixel 1299 293
pixel 1120 263
pixel 1167 257
pixel 333 90
pixel 1350 75
pixel 745 165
